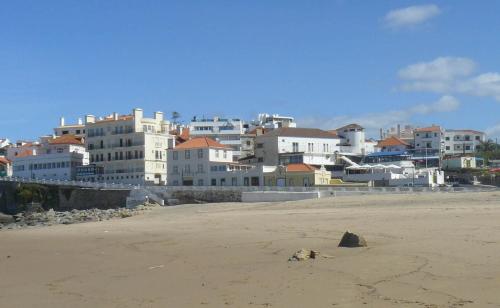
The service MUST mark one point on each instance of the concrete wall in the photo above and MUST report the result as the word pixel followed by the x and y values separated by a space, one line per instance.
pixel 272 196
pixel 14 196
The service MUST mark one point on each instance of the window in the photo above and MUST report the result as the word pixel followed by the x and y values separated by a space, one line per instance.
pixel 260 145
pixel 467 138
pixel 310 147
pixel 187 154
pixel 467 147
pixel 213 168
pixel 187 169
pixel 214 182
pixel 175 170
pixel 224 154
pixel 222 168
pixel 60 150
pixel 200 168
pixel 447 138
pixel 200 182
pixel 260 159
pixel 200 153
pixel 217 153
pixel 175 155
pixel 222 182
pixel 477 137
pixel 447 148
pixel 295 147
pixel 109 156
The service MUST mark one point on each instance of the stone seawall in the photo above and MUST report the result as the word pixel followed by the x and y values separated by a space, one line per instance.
pixel 15 196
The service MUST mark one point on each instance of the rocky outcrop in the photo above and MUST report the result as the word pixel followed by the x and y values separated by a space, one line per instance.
pixel 51 217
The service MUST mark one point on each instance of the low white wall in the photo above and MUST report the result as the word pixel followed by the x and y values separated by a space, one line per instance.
pixel 272 196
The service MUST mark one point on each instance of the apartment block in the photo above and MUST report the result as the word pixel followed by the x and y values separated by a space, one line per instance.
pixel 224 130
pixel 128 149
pixel 462 141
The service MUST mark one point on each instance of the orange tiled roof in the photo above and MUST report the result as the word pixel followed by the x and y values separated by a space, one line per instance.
pixel 185 134
pixel 25 153
pixel 300 168
pixel 201 142
pixel 4 161
pixel 391 141
pixel 433 128
pixel 66 139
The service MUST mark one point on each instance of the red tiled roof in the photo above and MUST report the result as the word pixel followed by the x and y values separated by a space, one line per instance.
pixel 300 168
pixel 66 139
pixel 25 153
pixel 201 142
pixel 391 141
pixel 433 128
pixel 185 134
pixel 4 161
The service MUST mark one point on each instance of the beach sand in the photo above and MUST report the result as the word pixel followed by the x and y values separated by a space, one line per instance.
pixel 424 250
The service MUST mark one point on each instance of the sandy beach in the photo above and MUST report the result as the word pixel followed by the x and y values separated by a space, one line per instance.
pixel 424 250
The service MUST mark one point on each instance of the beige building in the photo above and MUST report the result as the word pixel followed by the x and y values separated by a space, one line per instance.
pixel 128 149
pixel 297 175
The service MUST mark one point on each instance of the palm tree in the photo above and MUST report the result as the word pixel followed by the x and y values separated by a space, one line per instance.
pixel 487 146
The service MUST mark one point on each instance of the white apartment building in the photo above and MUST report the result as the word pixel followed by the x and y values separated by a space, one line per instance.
pixel 56 160
pixel 287 145
pixel 462 141
pixel 203 161
pixel 128 149
pixel 429 138
pixel 226 131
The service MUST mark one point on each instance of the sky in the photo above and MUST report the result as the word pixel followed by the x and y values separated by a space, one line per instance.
pixel 327 63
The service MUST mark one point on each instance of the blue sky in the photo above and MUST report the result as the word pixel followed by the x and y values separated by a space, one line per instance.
pixel 325 62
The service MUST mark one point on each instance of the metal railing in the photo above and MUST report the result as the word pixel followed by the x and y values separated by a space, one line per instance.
pixel 325 189
pixel 96 185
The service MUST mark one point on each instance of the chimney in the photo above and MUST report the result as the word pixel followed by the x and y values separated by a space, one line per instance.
pixel 259 131
pixel 381 134
pixel 138 114
pixel 89 119
pixel 61 121
pixel 159 115
pixel 399 130
pixel 115 116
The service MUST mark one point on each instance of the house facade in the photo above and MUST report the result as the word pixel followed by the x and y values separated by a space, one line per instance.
pixel 55 160
pixel 203 161
pixel 128 149
pixel 289 145
pixel 430 139
pixel 462 141
pixel 297 175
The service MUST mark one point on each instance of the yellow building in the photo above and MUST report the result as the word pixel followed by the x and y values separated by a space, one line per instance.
pixel 297 175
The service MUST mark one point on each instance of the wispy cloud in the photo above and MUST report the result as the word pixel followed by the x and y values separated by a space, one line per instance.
pixel 493 132
pixel 450 75
pixel 411 16
pixel 374 121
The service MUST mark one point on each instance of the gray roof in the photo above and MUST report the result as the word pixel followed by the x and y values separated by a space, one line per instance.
pixel 300 132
